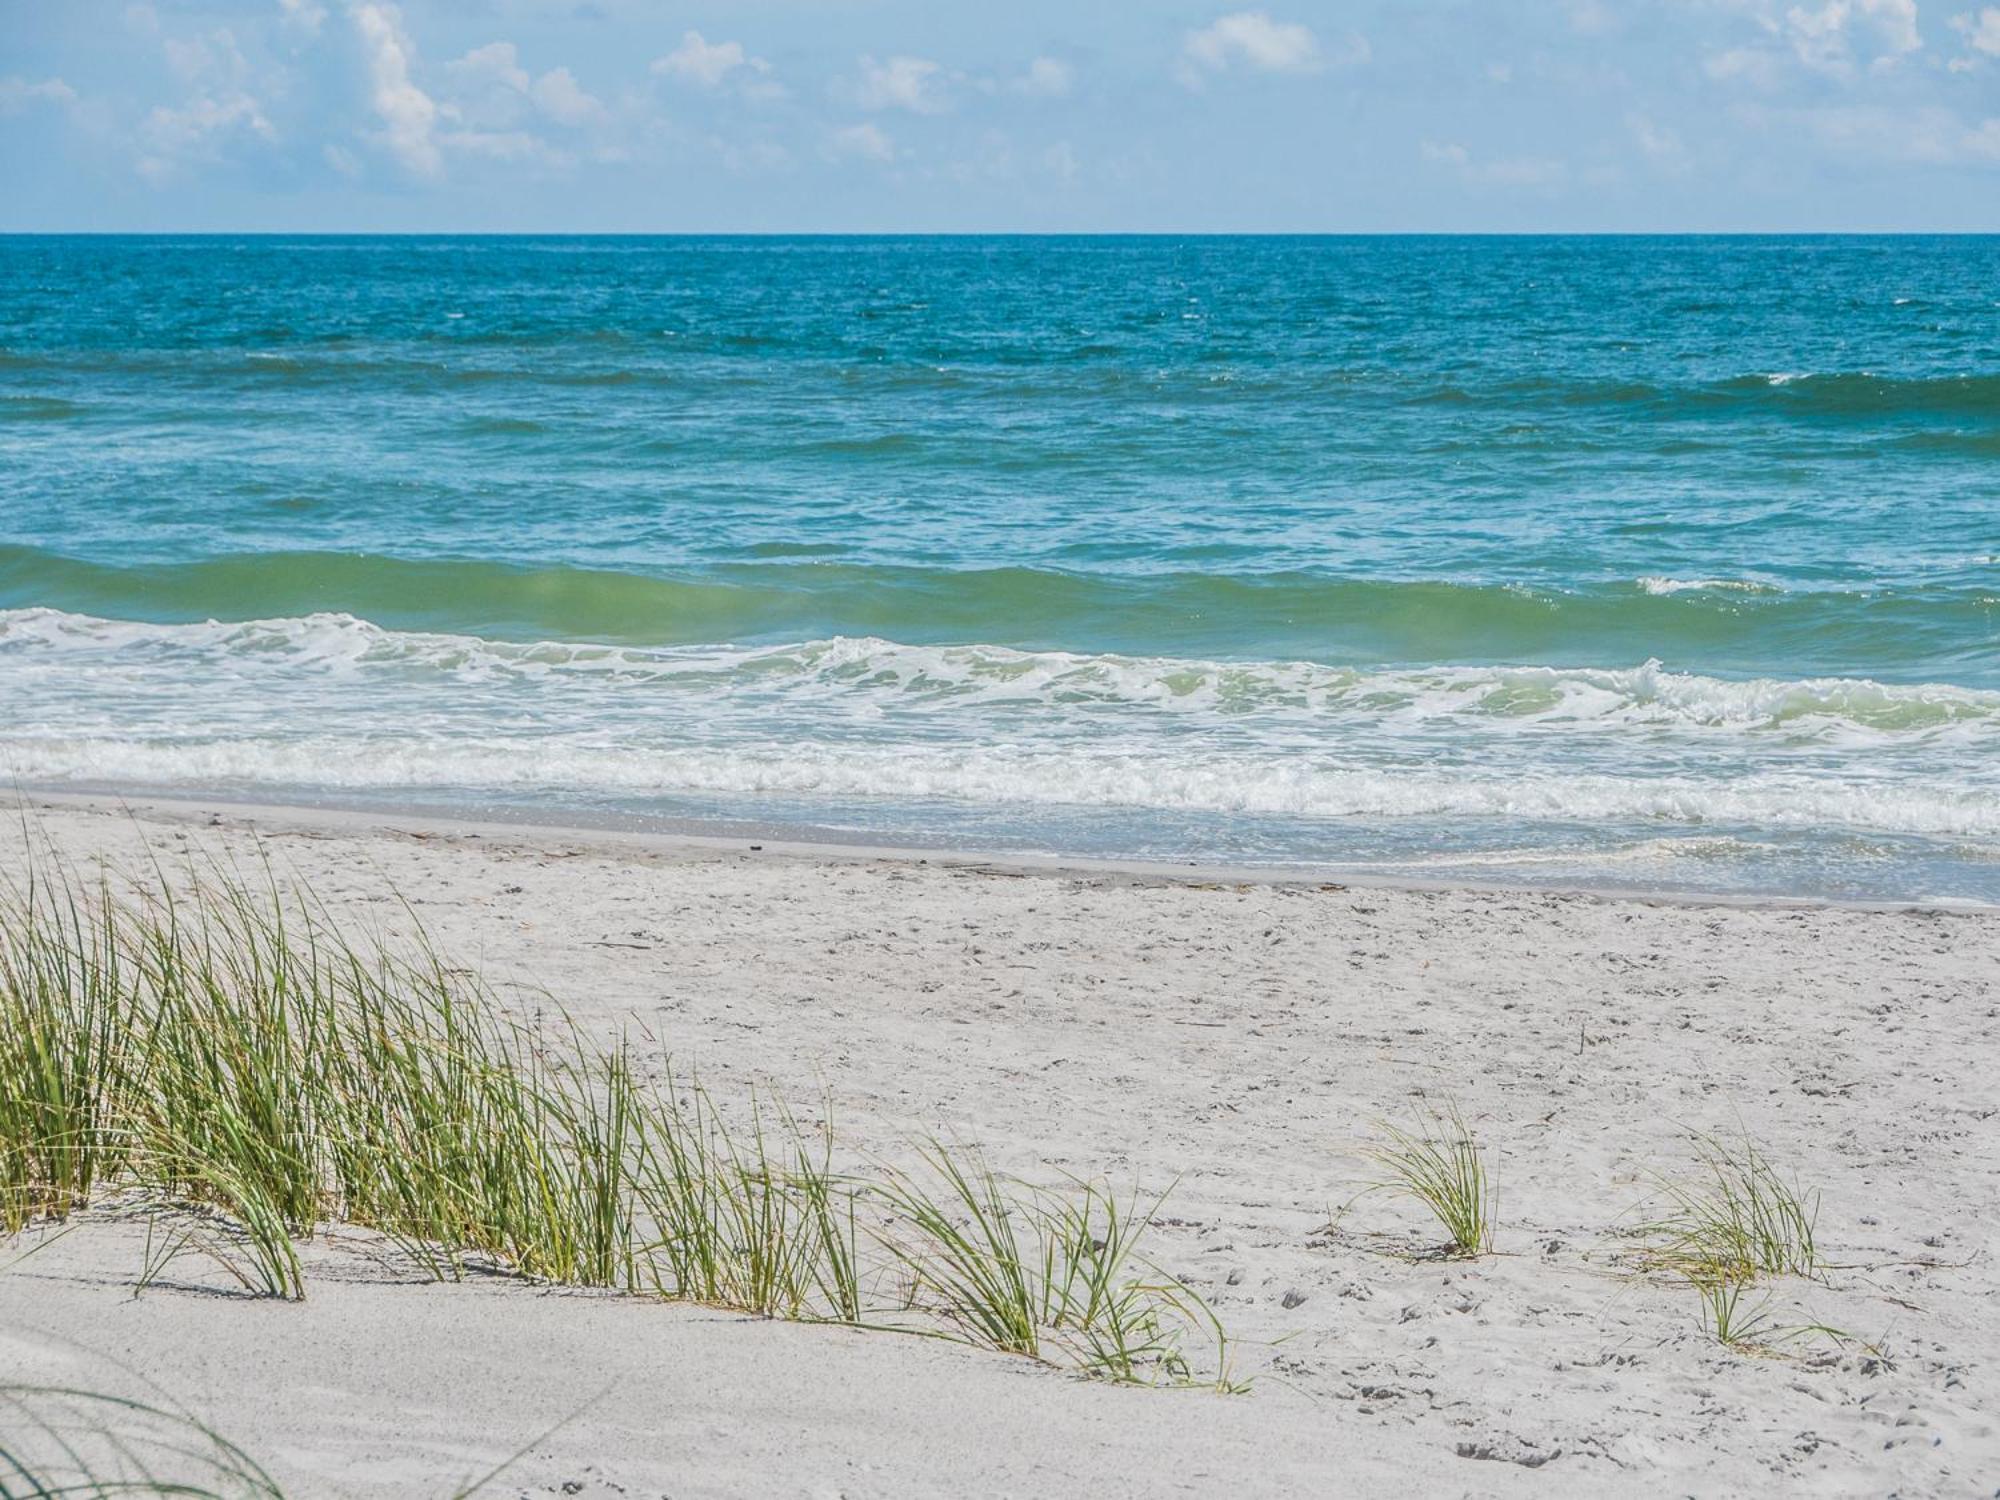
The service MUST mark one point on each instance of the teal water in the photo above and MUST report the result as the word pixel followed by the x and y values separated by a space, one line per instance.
pixel 1665 563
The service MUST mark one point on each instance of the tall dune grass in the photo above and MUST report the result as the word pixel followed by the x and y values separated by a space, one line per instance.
pixel 225 1051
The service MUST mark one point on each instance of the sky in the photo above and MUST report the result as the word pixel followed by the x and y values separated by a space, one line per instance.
pixel 1029 115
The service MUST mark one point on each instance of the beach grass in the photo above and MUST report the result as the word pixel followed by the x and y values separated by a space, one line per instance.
pixel 89 1445
pixel 1732 1223
pixel 1438 1163
pixel 217 1048
pixel 1733 1219
pixel 1029 1270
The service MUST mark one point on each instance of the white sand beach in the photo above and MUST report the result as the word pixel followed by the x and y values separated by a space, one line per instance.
pixel 1237 1039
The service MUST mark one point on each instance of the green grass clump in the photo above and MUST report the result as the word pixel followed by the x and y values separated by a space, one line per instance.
pixel 1734 1219
pixel 1732 1318
pixel 66 1024
pixel 1438 1163
pixel 221 1049
pixel 1053 1276
pixel 1727 1225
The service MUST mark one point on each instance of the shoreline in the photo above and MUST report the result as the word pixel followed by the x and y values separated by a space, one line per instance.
pixel 694 838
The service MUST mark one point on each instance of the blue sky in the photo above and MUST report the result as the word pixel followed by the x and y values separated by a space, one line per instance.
pixel 844 115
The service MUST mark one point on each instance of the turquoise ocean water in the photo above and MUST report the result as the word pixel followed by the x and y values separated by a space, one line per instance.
pixel 1668 563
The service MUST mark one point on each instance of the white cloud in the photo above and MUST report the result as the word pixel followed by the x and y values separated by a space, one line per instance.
pixel 488 86
pixel 194 130
pixel 207 61
pixel 18 94
pixel 505 145
pixel 1829 37
pixel 1895 24
pixel 307 15
pixel 866 141
pixel 497 62
pixel 1046 78
pixel 913 83
pixel 1253 39
pixel 488 101
pixel 493 90
pixel 1824 37
pixel 564 100
pixel 219 105
pixel 408 114
pixel 1981 31
pixel 1834 38
pixel 1060 161
pixel 709 64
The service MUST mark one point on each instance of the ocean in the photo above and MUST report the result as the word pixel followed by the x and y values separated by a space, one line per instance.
pixel 1667 564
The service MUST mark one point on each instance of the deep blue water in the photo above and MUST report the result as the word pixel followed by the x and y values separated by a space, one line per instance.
pixel 1644 562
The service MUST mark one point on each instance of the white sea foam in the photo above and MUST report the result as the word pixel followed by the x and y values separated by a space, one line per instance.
pixel 335 702
pixel 1658 585
pixel 101 655
pixel 1049 777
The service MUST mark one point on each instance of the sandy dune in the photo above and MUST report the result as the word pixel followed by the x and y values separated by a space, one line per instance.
pixel 1243 1037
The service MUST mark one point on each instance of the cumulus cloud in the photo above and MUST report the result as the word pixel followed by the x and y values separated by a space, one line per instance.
pixel 1825 37
pixel 708 64
pixel 489 104
pixel 1981 30
pixel 489 85
pixel 408 115
pixel 492 89
pixel 560 97
pixel 1251 39
pixel 222 104
pixel 171 136
pixel 1831 37
pixel 18 94
pixel 865 141
pixel 913 83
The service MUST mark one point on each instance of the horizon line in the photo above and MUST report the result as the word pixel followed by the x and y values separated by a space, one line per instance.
pixel 993 234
